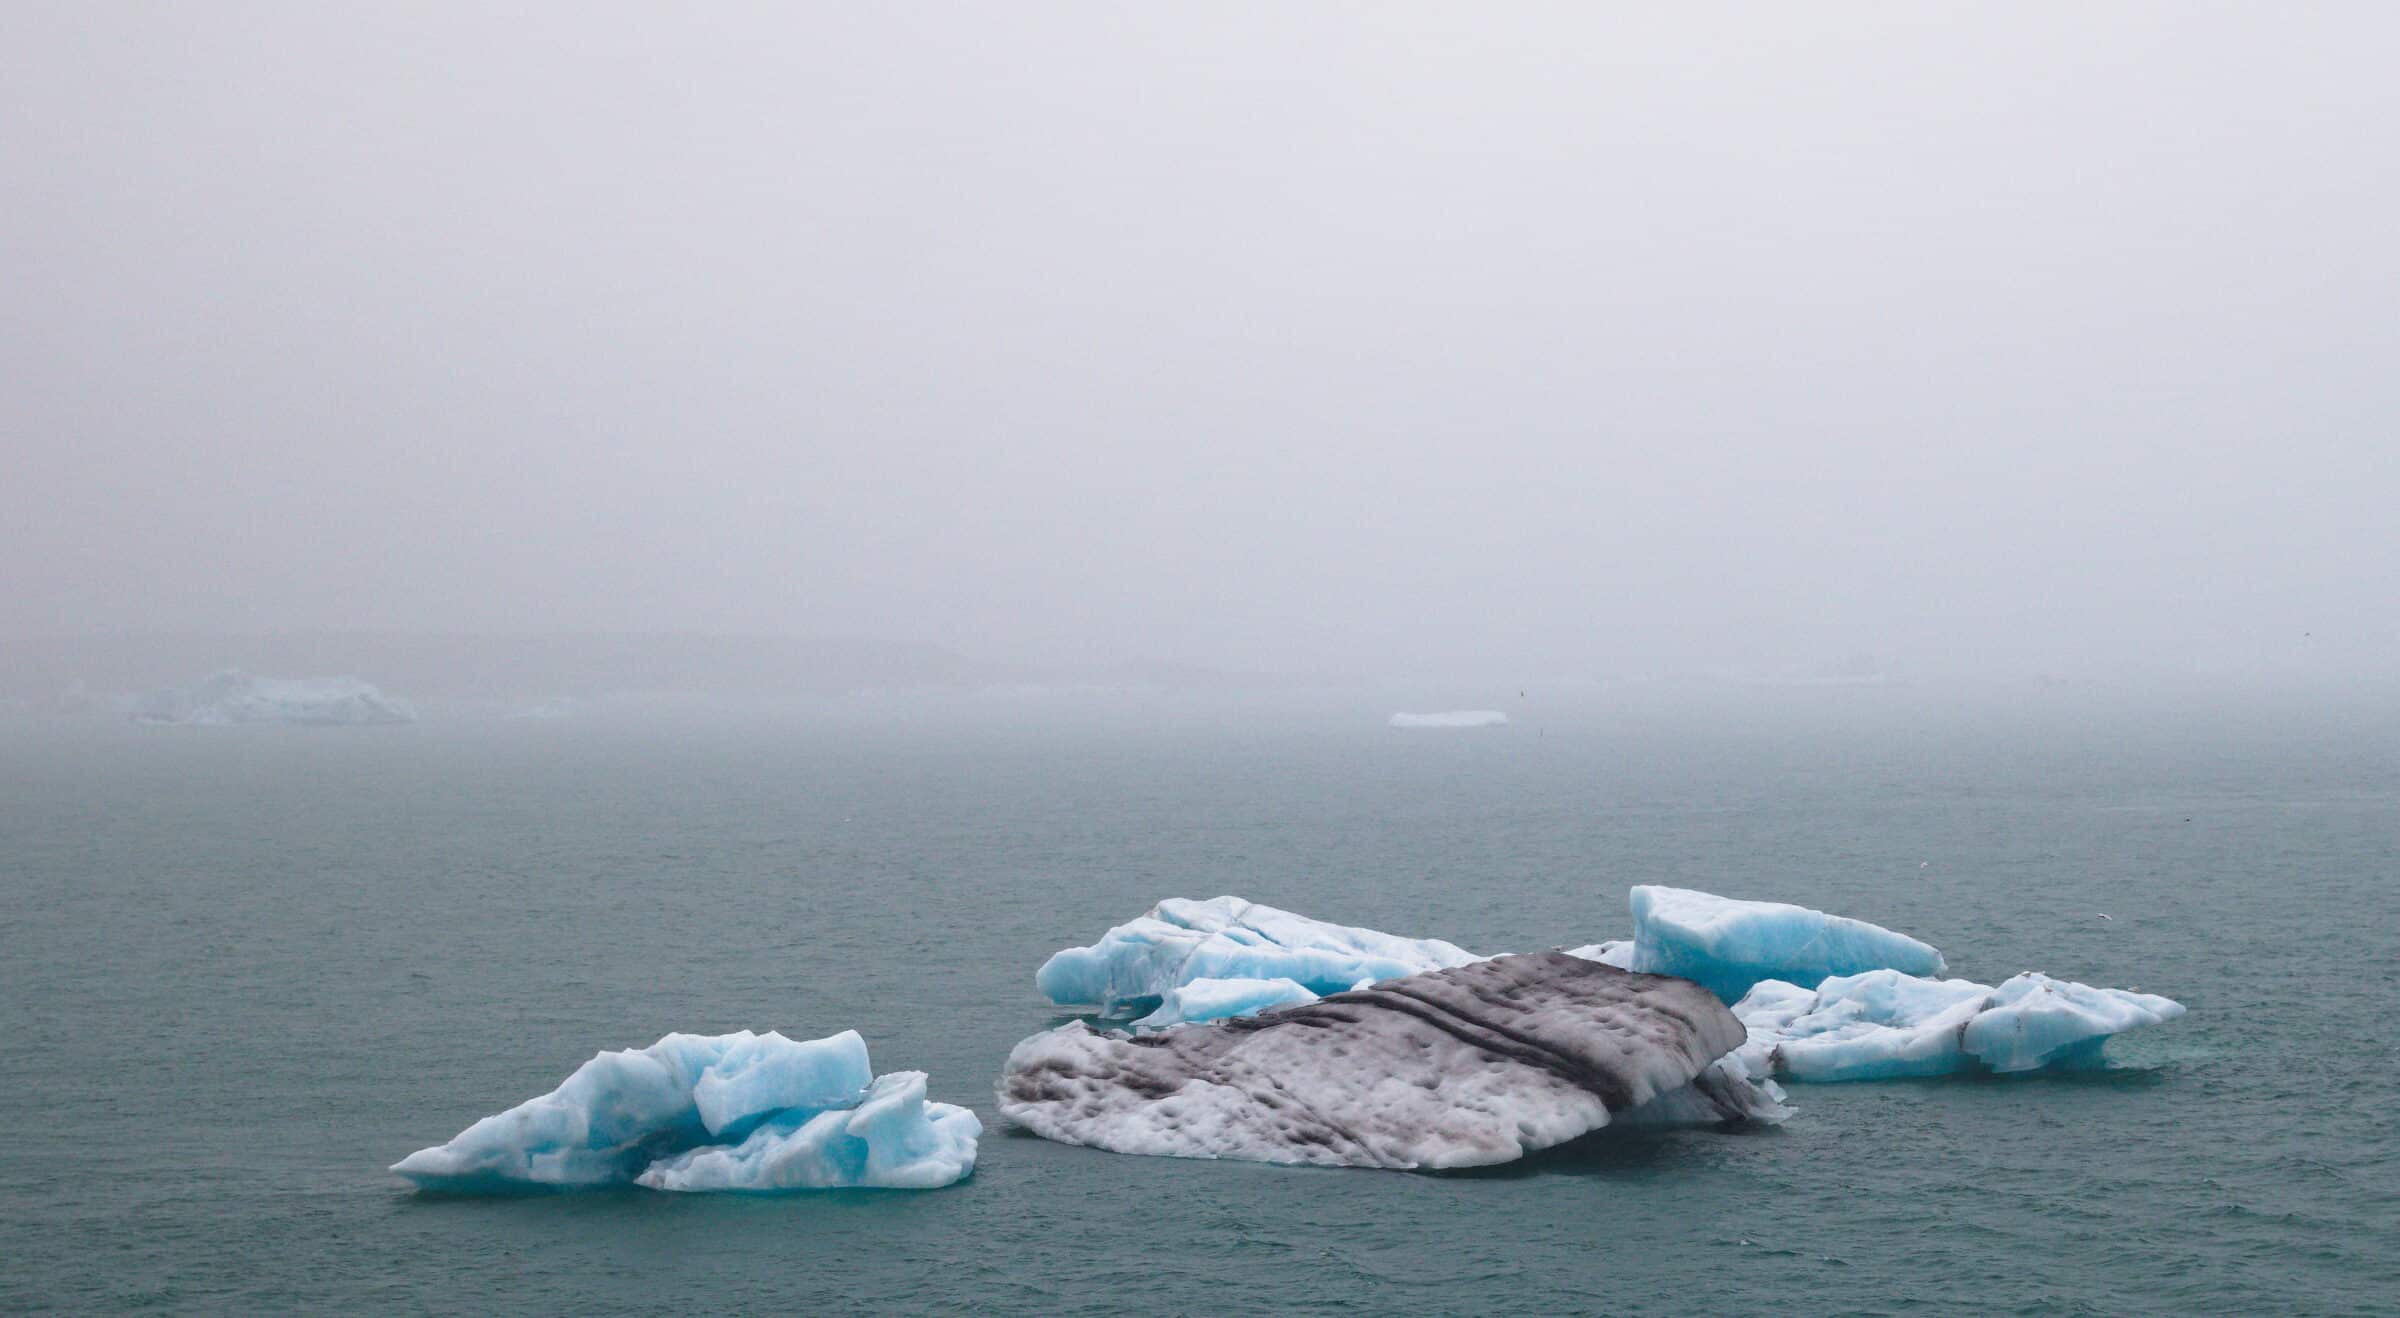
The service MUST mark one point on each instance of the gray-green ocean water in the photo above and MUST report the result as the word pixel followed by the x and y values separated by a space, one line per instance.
pixel 242 970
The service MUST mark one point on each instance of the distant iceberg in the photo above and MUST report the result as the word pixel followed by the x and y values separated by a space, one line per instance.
pixel 1730 945
pixel 1884 1024
pixel 740 1111
pixel 1454 718
pixel 233 696
pixel 1179 941
pixel 1459 1067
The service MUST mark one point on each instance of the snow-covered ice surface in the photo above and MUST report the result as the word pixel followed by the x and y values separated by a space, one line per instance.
pixel 1217 999
pixel 1466 1066
pixel 1730 945
pixel 1618 953
pixel 1884 1024
pixel 738 1111
pixel 233 696
pixel 1180 941
pixel 1451 718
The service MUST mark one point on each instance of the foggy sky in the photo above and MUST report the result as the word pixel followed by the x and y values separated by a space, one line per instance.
pixel 1388 338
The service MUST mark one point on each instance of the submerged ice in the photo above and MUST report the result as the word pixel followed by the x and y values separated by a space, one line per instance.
pixel 1470 1065
pixel 1228 938
pixel 1730 945
pixel 233 696
pixel 738 1111
pixel 1884 1024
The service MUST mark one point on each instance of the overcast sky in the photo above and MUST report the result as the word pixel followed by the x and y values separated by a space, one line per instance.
pixel 1379 337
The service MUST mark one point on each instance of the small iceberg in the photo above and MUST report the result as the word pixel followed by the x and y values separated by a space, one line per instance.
pixel 1452 718
pixel 1884 1024
pixel 1459 1067
pixel 740 1111
pixel 1179 941
pixel 233 696
pixel 1732 945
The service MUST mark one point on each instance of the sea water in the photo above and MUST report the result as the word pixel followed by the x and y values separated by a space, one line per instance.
pixel 243 970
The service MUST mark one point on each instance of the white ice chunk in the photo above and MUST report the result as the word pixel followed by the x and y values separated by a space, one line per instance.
pixel 1216 999
pixel 1180 941
pixel 1730 945
pixel 1451 718
pixel 893 1139
pixel 1883 1024
pixel 625 1113
pixel 1618 953
pixel 233 696
pixel 2035 1021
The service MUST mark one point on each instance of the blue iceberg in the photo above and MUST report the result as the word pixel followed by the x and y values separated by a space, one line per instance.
pixel 1884 1025
pixel 738 1111
pixel 1730 945
pixel 1180 941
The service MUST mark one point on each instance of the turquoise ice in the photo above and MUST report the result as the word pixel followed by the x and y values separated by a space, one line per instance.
pixel 1729 945
pixel 738 1111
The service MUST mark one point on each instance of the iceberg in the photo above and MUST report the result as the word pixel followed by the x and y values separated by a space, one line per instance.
pixel 1179 941
pixel 1452 718
pixel 1732 945
pixel 738 1111
pixel 1466 1066
pixel 233 696
pixel 1217 999
pixel 1884 1024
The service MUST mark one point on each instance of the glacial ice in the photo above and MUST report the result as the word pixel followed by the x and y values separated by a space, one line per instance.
pixel 1451 718
pixel 1458 1067
pixel 738 1111
pixel 233 696
pixel 892 1139
pixel 1730 945
pixel 1217 999
pixel 1884 1024
pixel 1180 941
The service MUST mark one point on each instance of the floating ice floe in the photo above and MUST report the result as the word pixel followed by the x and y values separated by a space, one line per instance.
pixel 1730 945
pixel 1884 1024
pixel 737 1111
pixel 233 696
pixel 1459 1067
pixel 1180 941
pixel 1452 718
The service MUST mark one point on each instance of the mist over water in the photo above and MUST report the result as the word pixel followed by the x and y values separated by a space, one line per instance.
pixel 1387 340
